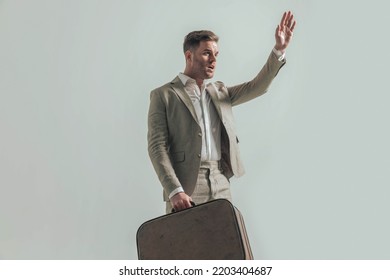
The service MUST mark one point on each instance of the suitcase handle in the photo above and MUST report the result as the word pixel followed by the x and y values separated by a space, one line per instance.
pixel 192 203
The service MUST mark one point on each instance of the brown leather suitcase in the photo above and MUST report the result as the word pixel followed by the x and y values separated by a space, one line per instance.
pixel 214 230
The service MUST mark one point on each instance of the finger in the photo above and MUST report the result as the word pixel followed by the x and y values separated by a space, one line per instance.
pixel 283 20
pixel 187 203
pixel 291 22
pixel 277 30
pixel 293 26
pixel 286 18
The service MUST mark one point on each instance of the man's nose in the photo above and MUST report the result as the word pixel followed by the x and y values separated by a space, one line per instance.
pixel 212 58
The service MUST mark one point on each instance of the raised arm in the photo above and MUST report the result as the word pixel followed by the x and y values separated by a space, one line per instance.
pixel 259 85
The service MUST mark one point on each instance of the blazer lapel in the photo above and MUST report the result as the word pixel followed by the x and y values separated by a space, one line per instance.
pixel 178 87
pixel 214 97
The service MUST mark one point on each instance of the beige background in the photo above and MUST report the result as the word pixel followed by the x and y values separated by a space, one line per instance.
pixel 75 77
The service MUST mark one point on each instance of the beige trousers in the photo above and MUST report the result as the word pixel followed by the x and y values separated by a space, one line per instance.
pixel 211 184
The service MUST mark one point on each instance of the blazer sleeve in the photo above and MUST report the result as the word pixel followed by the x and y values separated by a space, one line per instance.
pixel 158 148
pixel 259 85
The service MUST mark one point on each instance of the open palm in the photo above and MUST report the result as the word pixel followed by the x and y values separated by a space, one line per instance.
pixel 284 31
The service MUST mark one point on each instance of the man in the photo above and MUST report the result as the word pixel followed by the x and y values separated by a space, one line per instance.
pixel 191 137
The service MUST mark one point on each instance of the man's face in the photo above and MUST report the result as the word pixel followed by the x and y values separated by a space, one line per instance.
pixel 202 61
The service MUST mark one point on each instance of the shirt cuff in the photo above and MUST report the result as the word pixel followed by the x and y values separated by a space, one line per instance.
pixel 280 55
pixel 175 191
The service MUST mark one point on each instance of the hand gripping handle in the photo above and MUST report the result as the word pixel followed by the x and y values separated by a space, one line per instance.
pixel 192 203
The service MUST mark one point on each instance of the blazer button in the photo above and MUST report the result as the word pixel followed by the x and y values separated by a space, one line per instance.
pixel 200 134
pixel 199 155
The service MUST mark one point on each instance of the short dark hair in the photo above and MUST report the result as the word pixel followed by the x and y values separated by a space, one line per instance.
pixel 193 39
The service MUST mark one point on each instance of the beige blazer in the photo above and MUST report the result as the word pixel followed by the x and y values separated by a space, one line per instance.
pixel 174 134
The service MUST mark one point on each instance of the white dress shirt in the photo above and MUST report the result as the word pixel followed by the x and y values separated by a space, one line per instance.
pixel 208 118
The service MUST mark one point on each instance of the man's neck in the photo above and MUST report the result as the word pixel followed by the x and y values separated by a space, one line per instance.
pixel 199 82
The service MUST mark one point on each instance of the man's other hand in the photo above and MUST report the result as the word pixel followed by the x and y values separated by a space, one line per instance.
pixel 284 31
pixel 181 201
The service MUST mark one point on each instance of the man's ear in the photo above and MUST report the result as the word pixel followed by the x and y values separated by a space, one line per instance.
pixel 188 55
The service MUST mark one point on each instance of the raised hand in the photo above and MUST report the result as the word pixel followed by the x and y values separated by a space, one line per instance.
pixel 284 31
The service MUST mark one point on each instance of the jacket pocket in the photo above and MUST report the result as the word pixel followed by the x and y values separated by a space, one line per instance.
pixel 178 157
